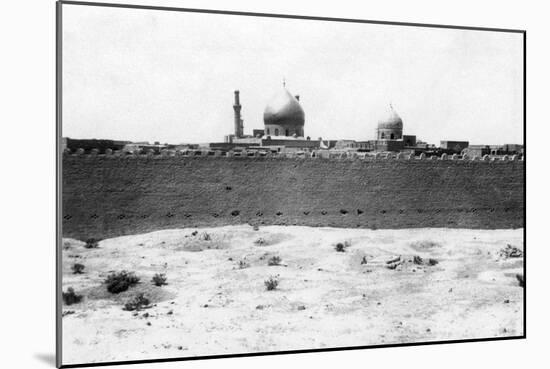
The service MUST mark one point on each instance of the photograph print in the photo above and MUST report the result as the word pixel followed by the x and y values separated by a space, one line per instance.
pixel 241 184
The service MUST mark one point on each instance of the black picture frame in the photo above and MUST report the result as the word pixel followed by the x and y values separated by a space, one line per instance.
pixel 59 106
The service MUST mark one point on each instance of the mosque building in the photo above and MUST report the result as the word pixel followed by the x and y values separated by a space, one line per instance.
pixel 389 134
pixel 284 130
pixel 284 121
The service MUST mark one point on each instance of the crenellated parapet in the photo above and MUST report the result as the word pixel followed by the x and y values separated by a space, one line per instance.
pixel 311 155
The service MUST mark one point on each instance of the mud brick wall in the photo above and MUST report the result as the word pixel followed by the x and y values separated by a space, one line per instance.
pixel 107 196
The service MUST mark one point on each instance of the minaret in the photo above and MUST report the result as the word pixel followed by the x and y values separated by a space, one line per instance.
pixel 238 120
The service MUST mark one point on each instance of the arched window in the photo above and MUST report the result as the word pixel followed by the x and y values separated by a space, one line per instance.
pixel 267 131
pixel 287 133
pixel 276 131
pixel 382 136
pixel 392 136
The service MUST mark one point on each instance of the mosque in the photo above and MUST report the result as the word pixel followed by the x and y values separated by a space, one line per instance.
pixel 284 120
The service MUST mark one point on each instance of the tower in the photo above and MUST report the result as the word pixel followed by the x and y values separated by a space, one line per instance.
pixel 238 121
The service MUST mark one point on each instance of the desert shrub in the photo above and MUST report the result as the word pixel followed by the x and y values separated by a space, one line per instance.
pixel 91 243
pixel 432 262
pixel 136 303
pixel 274 261
pixel 243 264
pixel 418 260
pixel 121 281
pixel 77 268
pixel 260 241
pixel 271 283
pixel 510 252
pixel 340 247
pixel 205 236
pixel 159 279
pixel 70 297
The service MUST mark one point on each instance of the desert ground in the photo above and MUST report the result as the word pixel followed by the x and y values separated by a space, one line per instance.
pixel 382 287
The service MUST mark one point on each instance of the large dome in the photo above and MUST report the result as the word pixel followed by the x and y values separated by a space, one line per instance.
pixel 284 110
pixel 391 120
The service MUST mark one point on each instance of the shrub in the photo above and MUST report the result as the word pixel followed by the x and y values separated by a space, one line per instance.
pixel 136 303
pixel 205 237
pixel 510 252
pixel 70 297
pixel 340 247
pixel 91 243
pixel 159 279
pixel 77 268
pixel 432 262
pixel 243 264
pixel 274 261
pixel 271 283
pixel 260 241
pixel 121 281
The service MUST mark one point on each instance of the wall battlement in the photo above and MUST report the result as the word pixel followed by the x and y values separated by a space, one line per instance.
pixel 321 154
pixel 115 194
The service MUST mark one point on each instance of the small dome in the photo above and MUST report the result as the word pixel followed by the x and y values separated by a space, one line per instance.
pixel 284 110
pixel 391 120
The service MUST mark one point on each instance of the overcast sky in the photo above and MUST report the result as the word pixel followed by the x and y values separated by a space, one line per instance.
pixel 146 75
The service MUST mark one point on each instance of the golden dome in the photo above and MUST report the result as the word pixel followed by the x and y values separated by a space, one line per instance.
pixel 284 110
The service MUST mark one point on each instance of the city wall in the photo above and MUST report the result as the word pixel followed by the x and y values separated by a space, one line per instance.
pixel 111 195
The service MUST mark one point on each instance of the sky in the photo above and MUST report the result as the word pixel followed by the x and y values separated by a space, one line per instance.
pixel 149 75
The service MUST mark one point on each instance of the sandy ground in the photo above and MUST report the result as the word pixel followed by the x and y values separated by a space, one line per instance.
pixel 213 305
